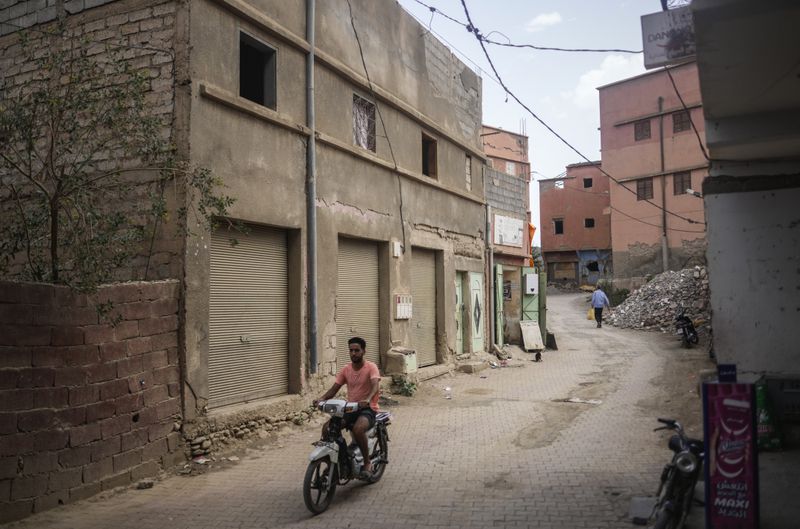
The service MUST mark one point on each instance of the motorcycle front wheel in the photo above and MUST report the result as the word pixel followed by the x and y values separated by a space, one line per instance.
pixel 319 485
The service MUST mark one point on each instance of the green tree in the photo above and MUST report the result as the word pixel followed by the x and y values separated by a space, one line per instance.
pixel 86 165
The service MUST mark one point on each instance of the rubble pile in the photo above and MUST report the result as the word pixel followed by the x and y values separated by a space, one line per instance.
pixel 655 304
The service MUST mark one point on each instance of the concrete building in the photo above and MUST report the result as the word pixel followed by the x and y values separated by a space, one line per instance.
pixel 389 159
pixel 507 177
pixel 751 195
pixel 649 146
pixel 576 225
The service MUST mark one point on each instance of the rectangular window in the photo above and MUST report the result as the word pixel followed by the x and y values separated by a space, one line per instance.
pixel 641 130
pixel 587 182
pixel 428 156
pixel 644 189
pixel 588 223
pixel 468 172
pixel 681 121
pixel 257 75
pixel 681 182
pixel 559 226
pixel 559 184
pixel 363 123
pixel 511 168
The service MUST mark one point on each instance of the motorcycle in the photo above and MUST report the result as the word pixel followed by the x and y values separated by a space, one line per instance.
pixel 686 328
pixel 334 463
pixel 678 479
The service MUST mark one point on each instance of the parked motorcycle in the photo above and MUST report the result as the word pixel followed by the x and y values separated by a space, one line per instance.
pixel 678 479
pixel 686 328
pixel 333 462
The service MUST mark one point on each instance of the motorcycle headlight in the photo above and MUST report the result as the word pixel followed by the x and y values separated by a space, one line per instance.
pixel 686 462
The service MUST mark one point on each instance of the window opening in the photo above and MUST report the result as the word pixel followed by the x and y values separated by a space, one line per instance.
pixel 641 130
pixel 681 121
pixel 428 156
pixel 588 223
pixel 644 189
pixel 681 182
pixel 559 226
pixel 511 168
pixel 559 184
pixel 257 74
pixel 363 123
pixel 587 182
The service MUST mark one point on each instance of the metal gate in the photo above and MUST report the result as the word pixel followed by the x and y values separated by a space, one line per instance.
pixel 248 316
pixel 423 295
pixel 357 299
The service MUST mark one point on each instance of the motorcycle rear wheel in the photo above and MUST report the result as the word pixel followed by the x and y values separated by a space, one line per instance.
pixel 379 456
pixel 319 485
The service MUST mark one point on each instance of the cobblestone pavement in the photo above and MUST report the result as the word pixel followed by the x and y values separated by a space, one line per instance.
pixel 501 453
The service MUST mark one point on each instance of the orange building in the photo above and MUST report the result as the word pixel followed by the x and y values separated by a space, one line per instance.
pixel 649 146
pixel 576 225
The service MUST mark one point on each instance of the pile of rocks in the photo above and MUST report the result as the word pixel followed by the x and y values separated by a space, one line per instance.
pixel 654 304
pixel 203 443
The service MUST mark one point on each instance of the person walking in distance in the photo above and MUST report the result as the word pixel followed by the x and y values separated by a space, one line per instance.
pixel 363 381
pixel 599 300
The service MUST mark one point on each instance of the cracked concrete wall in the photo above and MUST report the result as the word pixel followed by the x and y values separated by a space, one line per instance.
pixel 261 155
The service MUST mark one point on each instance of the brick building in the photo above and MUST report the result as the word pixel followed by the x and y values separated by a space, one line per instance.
pixel 507 178
pixel 648 145
pixel 576 225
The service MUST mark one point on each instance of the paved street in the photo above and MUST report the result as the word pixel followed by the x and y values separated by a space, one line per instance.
pixel 501 453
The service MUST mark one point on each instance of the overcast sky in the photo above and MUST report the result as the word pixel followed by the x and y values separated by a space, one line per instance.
pixel 559 87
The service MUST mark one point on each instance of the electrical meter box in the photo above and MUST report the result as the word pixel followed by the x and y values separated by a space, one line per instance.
pixel 531 284
pixel 403 307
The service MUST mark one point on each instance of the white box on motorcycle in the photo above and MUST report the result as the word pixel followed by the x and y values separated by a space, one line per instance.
pixel 399 361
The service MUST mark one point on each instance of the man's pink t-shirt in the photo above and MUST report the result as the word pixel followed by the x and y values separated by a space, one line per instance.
pixel 359 383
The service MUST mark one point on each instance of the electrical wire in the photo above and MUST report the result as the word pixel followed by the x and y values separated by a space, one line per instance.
pixel 688 112
pixel 476 32
pixel 509 44
pixel 383 123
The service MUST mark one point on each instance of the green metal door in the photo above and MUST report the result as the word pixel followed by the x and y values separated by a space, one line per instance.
pixel 498 305
pixel 459 313
pixel 530 302
pixel 477 310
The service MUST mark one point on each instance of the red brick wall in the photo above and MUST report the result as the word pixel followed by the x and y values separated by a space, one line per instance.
pixel 85 405
pixel 575 203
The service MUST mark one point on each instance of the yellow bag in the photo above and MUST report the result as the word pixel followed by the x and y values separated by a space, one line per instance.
pixel 590 314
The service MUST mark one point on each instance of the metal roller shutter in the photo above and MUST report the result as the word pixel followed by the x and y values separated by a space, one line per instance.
pixel 248 317
pixel 423 295
pixel 357 306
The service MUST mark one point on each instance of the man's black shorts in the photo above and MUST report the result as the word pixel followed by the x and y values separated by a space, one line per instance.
pixel 350 418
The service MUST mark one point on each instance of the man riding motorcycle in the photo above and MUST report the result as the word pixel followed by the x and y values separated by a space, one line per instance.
pixel 362 379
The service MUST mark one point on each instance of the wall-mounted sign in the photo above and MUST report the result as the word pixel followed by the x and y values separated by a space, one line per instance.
pixel 668 37
pixel 508 231
pixel 732 457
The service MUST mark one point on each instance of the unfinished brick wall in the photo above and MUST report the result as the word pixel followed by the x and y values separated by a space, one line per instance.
pixel 141 32
pixel 85 406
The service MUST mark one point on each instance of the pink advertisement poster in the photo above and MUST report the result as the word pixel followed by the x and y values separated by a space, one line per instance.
pixel 731 456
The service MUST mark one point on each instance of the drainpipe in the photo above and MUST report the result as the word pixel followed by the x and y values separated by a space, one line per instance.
pixel 490 257
pixel 311 190
pixel 664 245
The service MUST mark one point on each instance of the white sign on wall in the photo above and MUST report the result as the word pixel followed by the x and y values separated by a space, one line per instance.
pixel 668 37
pixel 508 231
